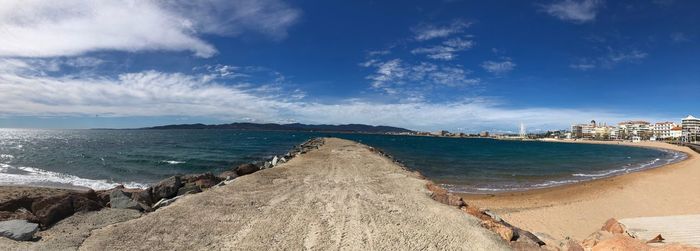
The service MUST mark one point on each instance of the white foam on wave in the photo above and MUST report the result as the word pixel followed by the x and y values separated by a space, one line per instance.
pixel 6 157
pixel 172 162
pixel 676 156
pixel 10 175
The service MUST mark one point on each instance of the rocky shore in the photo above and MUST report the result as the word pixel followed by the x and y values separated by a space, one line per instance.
pixel 24 213
pixel 338 196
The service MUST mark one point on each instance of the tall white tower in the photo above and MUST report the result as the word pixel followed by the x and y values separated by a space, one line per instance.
pixel 523 134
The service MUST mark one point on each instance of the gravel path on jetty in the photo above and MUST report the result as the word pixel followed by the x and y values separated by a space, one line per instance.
pixel 341 196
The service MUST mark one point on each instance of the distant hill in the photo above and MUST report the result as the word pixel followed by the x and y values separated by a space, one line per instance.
pixel 360 128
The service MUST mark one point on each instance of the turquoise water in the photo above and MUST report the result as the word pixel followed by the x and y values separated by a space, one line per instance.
pixel 101 159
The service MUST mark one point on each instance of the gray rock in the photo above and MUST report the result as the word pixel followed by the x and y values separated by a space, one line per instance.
pixel 493 215
pixel 166 202
pixel 267 165
pixel 19 230
pixel 119 199
pixel 275 160
pixel 246 169
pixel 166 188
pixel 189 188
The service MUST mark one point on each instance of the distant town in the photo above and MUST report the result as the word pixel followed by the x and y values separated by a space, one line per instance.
pixel 687 130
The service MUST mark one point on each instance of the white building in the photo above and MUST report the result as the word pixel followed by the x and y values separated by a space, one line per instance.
pixel 676 132
pixel 631 129
pixel 691 128
pixel 594 130
pixel 662 130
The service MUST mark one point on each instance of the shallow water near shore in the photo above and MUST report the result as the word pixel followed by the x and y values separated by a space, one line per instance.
pixel 100 159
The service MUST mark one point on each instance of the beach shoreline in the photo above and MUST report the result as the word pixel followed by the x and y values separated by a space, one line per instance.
pixel 528 190
pixel 576 210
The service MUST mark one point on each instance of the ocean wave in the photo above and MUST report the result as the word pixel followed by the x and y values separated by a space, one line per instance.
pixel 10 175
pixel 612 172
pixel 675 157
pixel 172 162
pixel 6 157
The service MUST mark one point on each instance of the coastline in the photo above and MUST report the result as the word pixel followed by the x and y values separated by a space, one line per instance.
pixel 576 210
pixel 340 195
pixel 344 188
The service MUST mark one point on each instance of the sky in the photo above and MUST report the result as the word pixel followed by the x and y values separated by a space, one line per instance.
pixel 464 66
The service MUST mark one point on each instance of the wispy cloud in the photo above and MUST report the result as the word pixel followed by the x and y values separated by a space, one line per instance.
pixel 73 27
pixel 396 76
pixel 679 37
pixel 610 60
pixel 576 11
pixel 582 66
pixel 425 32
pixel 631 56
pixel 447 50
pixel 499 67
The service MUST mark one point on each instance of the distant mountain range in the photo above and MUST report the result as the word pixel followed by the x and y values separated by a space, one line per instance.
pixel 359 128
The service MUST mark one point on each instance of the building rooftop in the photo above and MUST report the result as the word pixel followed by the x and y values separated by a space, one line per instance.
pixel 690 117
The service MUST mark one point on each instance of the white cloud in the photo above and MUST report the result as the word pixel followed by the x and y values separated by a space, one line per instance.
pixel 612 58
pixel 679 37
pixel 499 67
pixel 582 66
pixel 425 32
pixel 577 11
pixel 153 93
pixel 398 77
pixel 628 56
pixel 447 50
pixel 36 28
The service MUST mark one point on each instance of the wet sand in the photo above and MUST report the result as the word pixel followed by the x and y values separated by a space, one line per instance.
pixel 577 210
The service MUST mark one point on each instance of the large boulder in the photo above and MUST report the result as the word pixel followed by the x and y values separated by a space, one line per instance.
pixel 613 226
pixel 144 197
pixel 47 210
pixel 189 188
pixel 122 200
pixel 166 188
pixel 52 209
pixel 103 195
pixel 203 180
pixel 87 201
pixel 441 195
pixel 502 230
pixel 19 214
pixel 246 169
pixel 17 203
pixel 19 230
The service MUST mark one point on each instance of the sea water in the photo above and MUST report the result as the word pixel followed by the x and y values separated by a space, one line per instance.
pixel 101 159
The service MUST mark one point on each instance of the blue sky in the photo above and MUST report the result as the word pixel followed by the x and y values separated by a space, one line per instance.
pixel 425 65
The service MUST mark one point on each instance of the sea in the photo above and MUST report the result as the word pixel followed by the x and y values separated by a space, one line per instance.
pixel 101 159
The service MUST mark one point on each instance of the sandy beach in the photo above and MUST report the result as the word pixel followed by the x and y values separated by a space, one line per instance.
pixel 580 209
pixel 340 196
